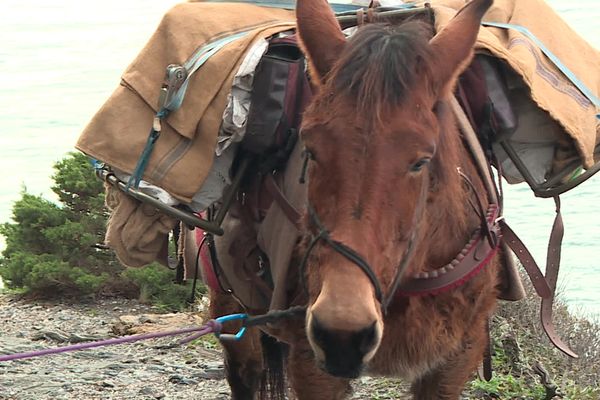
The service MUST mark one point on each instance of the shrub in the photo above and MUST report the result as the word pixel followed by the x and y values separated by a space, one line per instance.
pixel 155 285
pixel 52 250
pixel 56 249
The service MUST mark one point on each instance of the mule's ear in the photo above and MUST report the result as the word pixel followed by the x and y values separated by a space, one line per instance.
pixel 453 45
pixel 320 34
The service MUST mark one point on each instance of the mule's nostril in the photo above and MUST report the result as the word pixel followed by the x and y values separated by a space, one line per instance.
pixel 320 334
pixel 344 350
pixel 366 338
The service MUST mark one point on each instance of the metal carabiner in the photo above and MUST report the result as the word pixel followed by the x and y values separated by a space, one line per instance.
pixel 228 336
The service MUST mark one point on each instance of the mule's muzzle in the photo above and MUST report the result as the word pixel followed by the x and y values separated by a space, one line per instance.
pixel 344 351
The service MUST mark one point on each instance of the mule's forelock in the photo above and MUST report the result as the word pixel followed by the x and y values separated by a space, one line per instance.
pixel 381 64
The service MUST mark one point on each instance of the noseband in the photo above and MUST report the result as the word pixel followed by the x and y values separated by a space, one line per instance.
pixel 350 254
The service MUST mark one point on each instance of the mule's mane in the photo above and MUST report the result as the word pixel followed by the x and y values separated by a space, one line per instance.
pixel 381 64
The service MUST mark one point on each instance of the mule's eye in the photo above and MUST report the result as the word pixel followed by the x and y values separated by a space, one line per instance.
pixel 416 167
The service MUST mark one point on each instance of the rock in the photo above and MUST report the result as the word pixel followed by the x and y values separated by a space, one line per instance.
pixel 148 323
pixel 57 336
pixel 213 370
pixel 178 379
pixel 145 319
pixel 151 392
pixel 175 378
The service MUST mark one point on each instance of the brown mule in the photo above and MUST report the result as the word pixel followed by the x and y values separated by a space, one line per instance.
pixel 387 191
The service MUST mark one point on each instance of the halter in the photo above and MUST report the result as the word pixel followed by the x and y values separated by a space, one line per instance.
pixel 324 235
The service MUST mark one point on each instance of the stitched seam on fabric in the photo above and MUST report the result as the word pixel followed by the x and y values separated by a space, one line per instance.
pixel 551 77
pixel 167 162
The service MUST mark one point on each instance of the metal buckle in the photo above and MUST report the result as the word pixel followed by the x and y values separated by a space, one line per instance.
pixel 228 336
pixel 175 76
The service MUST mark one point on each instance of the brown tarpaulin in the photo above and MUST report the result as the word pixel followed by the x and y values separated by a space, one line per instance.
pixel 550 89
pixel 184 152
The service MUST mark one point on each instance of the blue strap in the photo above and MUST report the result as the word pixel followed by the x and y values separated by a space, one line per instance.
pixel 338 8
pixel 555 60
pixel 196 61
pixel 191 66
pixel 289 4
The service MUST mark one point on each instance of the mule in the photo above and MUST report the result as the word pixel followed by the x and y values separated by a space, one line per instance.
pixel 393 195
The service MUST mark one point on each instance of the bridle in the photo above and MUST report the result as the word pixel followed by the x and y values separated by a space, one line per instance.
pixel 475 255
pixel 319 233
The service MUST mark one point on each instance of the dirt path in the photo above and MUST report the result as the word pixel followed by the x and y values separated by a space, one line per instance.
pixel 156 369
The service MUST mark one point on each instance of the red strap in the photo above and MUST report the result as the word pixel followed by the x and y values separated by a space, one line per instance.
pixel 209 275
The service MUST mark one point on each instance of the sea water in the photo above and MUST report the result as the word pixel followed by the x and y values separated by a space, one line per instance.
pixel 60 60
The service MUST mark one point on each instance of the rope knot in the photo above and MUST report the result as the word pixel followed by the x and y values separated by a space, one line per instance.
pixel 215 326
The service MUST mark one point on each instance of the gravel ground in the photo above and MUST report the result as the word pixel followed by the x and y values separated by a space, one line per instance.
pixel 144 370
pixel 156 369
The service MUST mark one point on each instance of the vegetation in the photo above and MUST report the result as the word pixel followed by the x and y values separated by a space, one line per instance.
pixel 527 366
pixel 155 285
pixel 55 250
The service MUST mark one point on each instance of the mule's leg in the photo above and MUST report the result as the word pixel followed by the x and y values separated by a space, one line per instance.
pixel 447 381
pixel 243 359
pixel 308 381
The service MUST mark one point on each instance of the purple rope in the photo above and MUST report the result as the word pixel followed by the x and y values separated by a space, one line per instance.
pixel 214 326
pixel 211 326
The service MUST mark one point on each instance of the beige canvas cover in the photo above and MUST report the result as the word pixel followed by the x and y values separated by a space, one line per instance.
pixel 184 152
pixel 549 88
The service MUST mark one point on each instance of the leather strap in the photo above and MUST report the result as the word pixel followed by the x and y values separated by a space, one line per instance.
pixel 535 275
pixel 474 256
pixel 474 146
pixel 346 251
pixel 544 286
pixel 552 267
pixel 487 354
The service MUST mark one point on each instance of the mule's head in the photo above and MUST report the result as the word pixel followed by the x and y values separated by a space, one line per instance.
pixel 373 133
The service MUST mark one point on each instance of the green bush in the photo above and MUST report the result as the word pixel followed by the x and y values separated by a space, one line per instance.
pixel 56 249
pixel 52 249
pixel 155 284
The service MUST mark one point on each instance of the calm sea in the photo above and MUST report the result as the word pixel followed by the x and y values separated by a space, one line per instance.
pixel 59 61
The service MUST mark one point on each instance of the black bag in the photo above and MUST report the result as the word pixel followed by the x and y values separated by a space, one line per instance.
pixel 485 98
pixel 280 93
